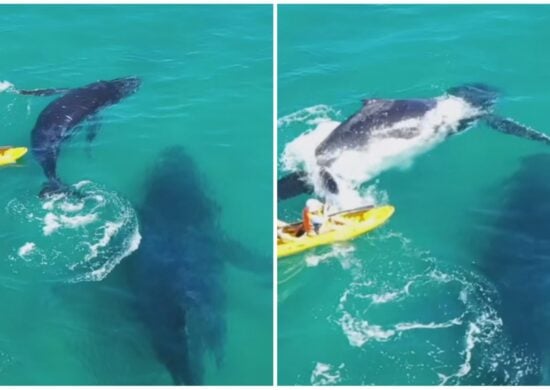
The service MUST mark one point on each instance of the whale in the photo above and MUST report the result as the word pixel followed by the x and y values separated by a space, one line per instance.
pixel 412 122
pixel 177 272
pixel 514 247
pixel 65 115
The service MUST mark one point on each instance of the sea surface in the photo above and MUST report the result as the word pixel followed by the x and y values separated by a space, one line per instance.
pixel 454 288
pixel 79 296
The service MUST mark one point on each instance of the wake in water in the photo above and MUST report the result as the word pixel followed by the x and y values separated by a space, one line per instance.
pixel 402 295
pixel 70 238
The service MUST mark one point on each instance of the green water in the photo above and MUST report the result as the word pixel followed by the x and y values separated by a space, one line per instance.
pixel 443 293
pixel 206 85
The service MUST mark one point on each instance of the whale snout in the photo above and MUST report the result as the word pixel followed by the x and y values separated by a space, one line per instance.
pixel 127 85
pixel 132 84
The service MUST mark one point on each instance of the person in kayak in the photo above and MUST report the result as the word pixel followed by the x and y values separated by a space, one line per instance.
pixel 4 148
pixel 281 234
pixel 314 217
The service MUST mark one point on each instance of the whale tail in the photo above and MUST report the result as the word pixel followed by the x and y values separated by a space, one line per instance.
pixel 52 187
pixel 293 185
pixel 508 126
pixel 296 184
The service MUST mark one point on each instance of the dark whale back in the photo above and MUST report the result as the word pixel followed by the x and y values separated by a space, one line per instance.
pixel 356 131
pixel 79 104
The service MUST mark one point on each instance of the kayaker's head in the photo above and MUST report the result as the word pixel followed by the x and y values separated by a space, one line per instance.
pixel 314 205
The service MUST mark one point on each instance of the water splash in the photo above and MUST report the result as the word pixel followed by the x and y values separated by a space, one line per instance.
pixel 326 374
pixel 82 238
pixel 352 168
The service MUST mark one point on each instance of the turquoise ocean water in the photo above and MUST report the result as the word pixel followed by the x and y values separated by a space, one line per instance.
pixel 70 275
pixel 454 289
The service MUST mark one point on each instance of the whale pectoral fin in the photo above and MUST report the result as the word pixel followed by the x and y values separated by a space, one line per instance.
pixel 508 126
pixel 92 129
pixel 43 92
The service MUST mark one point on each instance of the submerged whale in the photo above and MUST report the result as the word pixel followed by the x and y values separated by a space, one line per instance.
pixel 515 256
pixel 413 122
pixel 177 272
pixel 63 117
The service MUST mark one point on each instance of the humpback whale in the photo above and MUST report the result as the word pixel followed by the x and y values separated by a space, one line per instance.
pixel 178 273
pixel 514 252
pixel 178 269
pixel 413 122
pixel 63 117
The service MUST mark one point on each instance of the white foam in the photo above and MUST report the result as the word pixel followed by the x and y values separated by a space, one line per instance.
pixel 471 339
pixel 405 326
pixel 131 244
pixel 77 220
pixel 6 86
pixel 53 222
pixel 85 246
pixel 483 348
pixel 51 201
pixel 26 249
pixel 310 115
pixel 110 229
pixel 326 374
pixel 336 251
pixel 81 184
pixel 71 207
pixel 384 298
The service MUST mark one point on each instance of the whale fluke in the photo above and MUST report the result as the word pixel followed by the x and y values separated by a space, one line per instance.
pixel 51 187
pixel 293 185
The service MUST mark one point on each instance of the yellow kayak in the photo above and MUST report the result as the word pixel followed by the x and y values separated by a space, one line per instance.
pixel 358 222
pixel 11 155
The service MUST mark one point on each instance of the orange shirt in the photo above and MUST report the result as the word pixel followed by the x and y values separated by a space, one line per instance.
pixel 308 226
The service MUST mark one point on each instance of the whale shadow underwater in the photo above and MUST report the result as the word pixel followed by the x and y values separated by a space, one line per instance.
pixel 62 118
pixel 177 274
pixel 515 255
pixel 406 120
